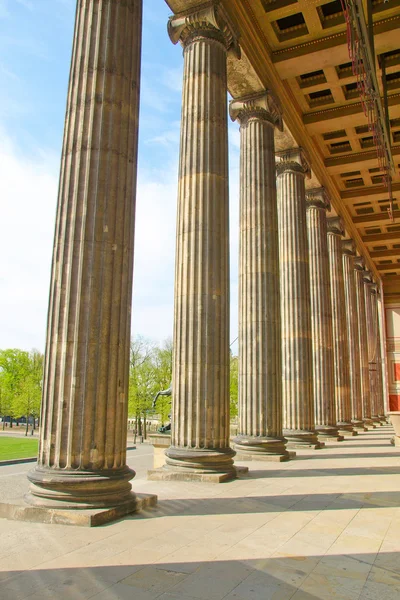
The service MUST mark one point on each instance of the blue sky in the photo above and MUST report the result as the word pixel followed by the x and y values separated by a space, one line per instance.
pixel 35 51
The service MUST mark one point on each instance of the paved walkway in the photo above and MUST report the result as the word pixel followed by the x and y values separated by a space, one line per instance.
pixel 325 526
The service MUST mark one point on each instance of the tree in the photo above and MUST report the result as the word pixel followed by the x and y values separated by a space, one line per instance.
pixel 162 360
pixel 142 385
pixel 234 386
pixel 20 383
pixel 5 397
pixel 28 400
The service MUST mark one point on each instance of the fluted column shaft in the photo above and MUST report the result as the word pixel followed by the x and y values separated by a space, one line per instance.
pixel 362 340
pixel 200 412
pixel 348 249
pixel 371 316
pixel 321 315
pixel 382 400
pixel 82 449
pixel 339 326
pixel 297 392
pixel 260 399
pixel 376 348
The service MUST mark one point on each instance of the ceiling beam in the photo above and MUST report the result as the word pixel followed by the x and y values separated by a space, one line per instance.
pixel 355 157
pixel 381 237
pixel 375 190
pixel 385 253
pixel 376 218
pixel 389 267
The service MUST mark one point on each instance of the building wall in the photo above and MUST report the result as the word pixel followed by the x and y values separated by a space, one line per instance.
pixel 392 313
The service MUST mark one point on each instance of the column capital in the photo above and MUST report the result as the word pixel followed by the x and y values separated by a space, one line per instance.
pixel 335 225
pixel 293 159
pixel 207 20
pixel 373 288
pixel 367 276
pixel 264 106
pixel 349 247
pixel 359 263
pixel 318 198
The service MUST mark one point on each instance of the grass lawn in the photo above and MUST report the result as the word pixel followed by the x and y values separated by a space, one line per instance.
pixel 11 447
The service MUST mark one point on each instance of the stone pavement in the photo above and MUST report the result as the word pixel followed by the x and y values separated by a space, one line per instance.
pixel 324 526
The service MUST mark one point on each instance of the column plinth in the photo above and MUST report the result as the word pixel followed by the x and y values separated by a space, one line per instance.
pixel 260 407
pixel 335 231
pixel 321 316
pixel 200 409
pixel 82 449
pixel 359 266
pixel 349 253
pixel 297 392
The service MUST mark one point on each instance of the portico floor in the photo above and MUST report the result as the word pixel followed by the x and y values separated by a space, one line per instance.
pixel 324 526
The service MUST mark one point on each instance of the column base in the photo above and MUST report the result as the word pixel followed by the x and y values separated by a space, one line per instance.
pixel 328 434
pixel 358 425
pixel 17 510
pixel 78 489
pixel 368 422
pixel 165 474
pixel 346 429
pixel 261 448
pixel 300 439
pixel 196 464
pixel 376 420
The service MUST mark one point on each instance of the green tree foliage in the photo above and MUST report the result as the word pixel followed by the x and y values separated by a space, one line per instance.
pixel 20 383
pixel 141 378
pixel 163 370
pixel 150 372
pixel 234 389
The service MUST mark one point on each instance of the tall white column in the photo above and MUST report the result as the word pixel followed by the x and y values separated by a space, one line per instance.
pixel 383 355
pixel 349 252
pixel 321 316
pixel 260 398
pixel 371 316
pixel 359 269
pixel 339 328
pixel 82 451
pixel 297 390
pixel 200 410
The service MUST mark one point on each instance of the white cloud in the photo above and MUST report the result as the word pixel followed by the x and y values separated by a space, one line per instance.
pixel 168 137
pixel 8 73
pixel 153 278
pixel 173 78
pixel 28 192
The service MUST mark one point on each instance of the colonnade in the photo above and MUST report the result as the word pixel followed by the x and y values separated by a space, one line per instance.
pixel 309 357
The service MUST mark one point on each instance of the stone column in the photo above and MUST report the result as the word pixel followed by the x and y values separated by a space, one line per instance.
pixel 200 412
pixel 260 397
pixel 349 252
pixel 297 391
pixel 370 310
pixel 339 328
pixel 379 410
pixel 82 451
pixel 382 354
pixel 379 383
pixel 321 316
pixel 359 266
